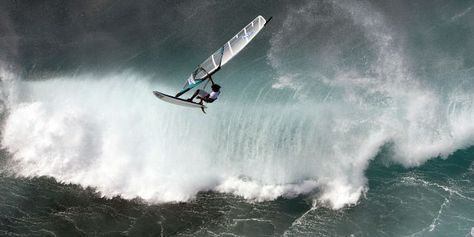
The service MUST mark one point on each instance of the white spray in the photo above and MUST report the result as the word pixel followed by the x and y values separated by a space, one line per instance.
pixel 109 132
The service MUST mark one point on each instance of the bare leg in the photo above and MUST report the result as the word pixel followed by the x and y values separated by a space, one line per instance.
pixel 194 95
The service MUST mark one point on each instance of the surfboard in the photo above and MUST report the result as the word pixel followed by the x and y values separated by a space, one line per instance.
pixel 177 101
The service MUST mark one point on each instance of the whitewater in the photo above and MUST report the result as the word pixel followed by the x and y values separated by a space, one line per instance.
pixel 311 130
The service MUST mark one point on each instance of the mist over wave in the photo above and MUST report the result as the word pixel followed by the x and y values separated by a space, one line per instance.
pixel 124 143
pixel 423 115
pixel 358 89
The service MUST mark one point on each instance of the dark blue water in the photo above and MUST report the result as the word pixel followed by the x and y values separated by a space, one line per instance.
pixel 432 200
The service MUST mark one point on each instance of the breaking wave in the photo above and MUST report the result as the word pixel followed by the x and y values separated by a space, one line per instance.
pixel 334 108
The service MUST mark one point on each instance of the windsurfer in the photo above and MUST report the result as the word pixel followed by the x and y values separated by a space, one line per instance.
pixel 206 96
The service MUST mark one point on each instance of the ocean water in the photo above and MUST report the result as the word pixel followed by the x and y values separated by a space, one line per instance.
pixel 341 118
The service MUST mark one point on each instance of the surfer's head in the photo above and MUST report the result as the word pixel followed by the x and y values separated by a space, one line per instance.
pixel 215 88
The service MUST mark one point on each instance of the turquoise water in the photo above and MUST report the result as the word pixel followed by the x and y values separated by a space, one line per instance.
pixel 341 118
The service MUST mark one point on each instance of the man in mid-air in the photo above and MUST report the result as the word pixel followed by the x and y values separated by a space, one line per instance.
pixel 205 96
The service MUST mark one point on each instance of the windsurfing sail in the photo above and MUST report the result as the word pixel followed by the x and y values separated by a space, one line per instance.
pixel 224 54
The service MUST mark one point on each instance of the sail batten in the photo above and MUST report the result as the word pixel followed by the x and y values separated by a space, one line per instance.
pixel 213 60
pixel 230 48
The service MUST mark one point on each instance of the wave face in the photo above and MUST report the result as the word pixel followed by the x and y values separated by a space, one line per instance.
pixel 340 81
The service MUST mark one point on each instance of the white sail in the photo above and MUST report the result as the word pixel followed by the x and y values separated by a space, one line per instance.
pixel 224 54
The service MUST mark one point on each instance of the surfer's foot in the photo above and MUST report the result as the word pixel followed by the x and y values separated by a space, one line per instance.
pixel 190 99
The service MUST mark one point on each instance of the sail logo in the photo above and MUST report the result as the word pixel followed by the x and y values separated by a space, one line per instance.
pixel 191 80
pixel 247 35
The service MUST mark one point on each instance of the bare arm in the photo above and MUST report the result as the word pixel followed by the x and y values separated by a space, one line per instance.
pixel 210 78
